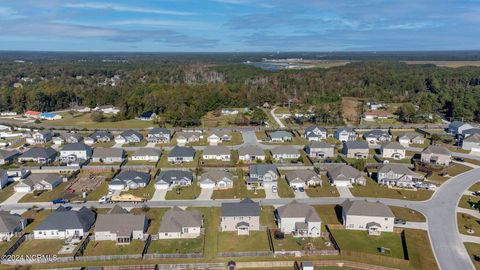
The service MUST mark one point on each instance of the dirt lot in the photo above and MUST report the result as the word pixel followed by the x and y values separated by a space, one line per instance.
pixel 352 110
pixel 85 183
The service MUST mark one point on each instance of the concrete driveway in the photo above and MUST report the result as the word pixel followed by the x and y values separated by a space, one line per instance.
pixel 14 198
pixel 414 225
pixel 205 194
pixel 301 195
pixel 159 195
pixel 269 194
pixel 344 192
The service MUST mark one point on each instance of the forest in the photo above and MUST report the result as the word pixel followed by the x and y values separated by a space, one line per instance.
pixel 183 89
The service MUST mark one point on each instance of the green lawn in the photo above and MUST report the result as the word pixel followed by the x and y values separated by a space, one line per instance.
pixel 184 193
pixel 473 249
pixel 326 190
pixel 407 214
pixel 419 250
pixel 475 187
pixel 154 216
pixel 238 191
pixel 165 164
pixel 7 191
pixel 84 121
pixel 466 222
pixel 284 190
pixel 231 242
pixel 372 189
pixel 44 247
pixel 267 217
pixel 360 241
pixel 146 192
pixel 455 169
pixel 99 248
pixel 176 246
pixel 4 246
pixel 465 199
pixel 328 214
pixel 100 191
pixel 292 243
pixel 47 196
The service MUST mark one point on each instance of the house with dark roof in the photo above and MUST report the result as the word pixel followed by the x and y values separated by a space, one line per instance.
pixel 72 137
pixel 8 156
pixel 457 127
pixel 159 135
pixel 436 155
pixel 394 174
pixel 262 176
pixel 75 153
pixel 168 179
pixel 180 224
pixel 374 217
pixel 346 176
pixel 356 149
pixel 345 134
pixel 320 150
pixel 108 155
pixel 40 137
pixel 315 133
pixel 298 219
pixel 127 180
pixel 120 226
pixel 216 152
pixel 39 155
pixel 375 136
pixel 10 225
pixel 471 142
pixel 241 217
pixel 129 136
pixel 101 137
pixel 64 223
pixel 180 154
pixel 39 181
pixel 147 116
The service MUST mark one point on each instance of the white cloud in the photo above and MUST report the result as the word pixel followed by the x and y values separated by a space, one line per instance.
pixel 9 14
pixel 167 23
pixel 125 8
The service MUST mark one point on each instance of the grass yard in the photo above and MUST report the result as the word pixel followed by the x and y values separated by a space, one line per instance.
pixel 473 249
pixel 44 247
pixel 99 248
pixel 231 242
pixel 47 196
pixel 475 187
pixel 326 190
pixel 37 216
pixel 176 246
pixel 292 243
pixel 100 191
pixel 84 121
pixel 4 246
pixel 267 217
pixel 165 164
pixel 154 216
pixel 284 190
pixel 146 192
pixel 456 169
pixel 184 193
pixel 407 214
pixel 372 189
pixel 466 222
pixel 328 213
pixel 104 144
pixel 419 250
pixel 7 191
pixel 360 241
pixel 238 191
pixel 465 201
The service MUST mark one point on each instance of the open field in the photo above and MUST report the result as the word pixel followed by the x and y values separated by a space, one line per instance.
pixel 231 242
pixel 84 121
pixel 44 247
pixel 352 110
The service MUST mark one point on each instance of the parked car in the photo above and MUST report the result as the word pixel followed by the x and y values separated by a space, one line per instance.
pixel 60 201
pixel 104 199
pixel 301 189
pixel 459 159
pixel 294 189
pixel 400 221
pixel 476 193
pixel 274 189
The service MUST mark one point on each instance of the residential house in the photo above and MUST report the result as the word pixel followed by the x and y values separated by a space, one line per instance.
pixel 40 137
pixel 188 137
pixel 8 156
pixel 345 176
pixel 241 217
pixel 180 224
pixel 219 137
pixel 320 150
pixel 399 175
pixel 32 114
pixel 285 152
pixel 262 176
pixel 127 180
pixel 147 154
pixel 129 136
pixel 436 155
pixel 356 149
pixel 375 136
pixel 377 115
pixel 468 132
pixel 39 155
pixel 298 219
pixel 471 142
pixel 81 109
pixel 107 109
pixel 345 134
pixel 72 137
pixel 218 179
pixel 215 152
pixel 315 133
pixel 375 106
pixel 281 136
pixel 393 150
pixel 251 153
pixel 159 135
pixel 65 223
pixel 303 178
pixel 229 112
pixel 75 153
pixel 39 181
pixel 180 154
pixel 10 225
pixel 411 138
pixel 457 127
pixel 147 116
pixel 108 155
pixel 3 178
pixel 173 178
pixel 374 217
pixel 101 137
pixel 120 226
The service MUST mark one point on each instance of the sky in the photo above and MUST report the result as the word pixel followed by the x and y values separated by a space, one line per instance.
pixel 239 25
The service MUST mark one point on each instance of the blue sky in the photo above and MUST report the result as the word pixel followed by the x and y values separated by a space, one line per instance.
pixel 239 25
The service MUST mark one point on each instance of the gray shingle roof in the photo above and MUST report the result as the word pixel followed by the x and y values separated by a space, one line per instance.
pixel 175 219
pixel 436 149
pixel 376 133
pixel 298 210
pixel 63 219
pixel 216 176
pixel 280 134
pixel 364 208
pixel 147 151
pixel 174 175
pixel 356 145
pixel 123 224
pixel 129 133
pixel 216 150
pixel 102 152
pixel 393 145
pixel 137 177
pixel 344 170
pixel 39 152
pixel 180 151
pixel 76 147
pixel 6 154
pixel 396 168
pixel 251 150
pixel 320 145
pixel 159 131
pixel 8 222
pixel 36 178
pixel 245 208
pixel 261 169
pixel 285 149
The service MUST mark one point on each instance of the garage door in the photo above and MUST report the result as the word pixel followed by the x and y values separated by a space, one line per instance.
pixel 207 185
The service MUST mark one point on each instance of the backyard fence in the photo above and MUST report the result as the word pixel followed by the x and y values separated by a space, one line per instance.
pixel 108 257
pixel 246 254
pixel 150 256
pixel 350 264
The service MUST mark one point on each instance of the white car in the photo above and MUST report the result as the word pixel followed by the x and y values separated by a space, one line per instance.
pixel 104 199
pixel 274 189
